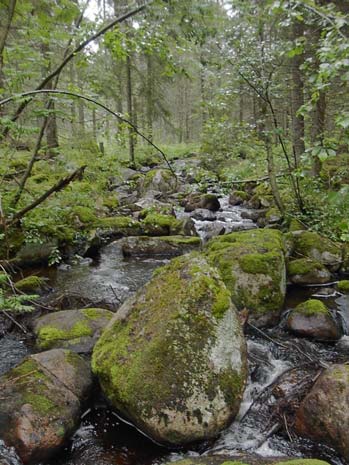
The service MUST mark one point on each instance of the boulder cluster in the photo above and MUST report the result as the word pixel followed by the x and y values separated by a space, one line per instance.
pixel 173 359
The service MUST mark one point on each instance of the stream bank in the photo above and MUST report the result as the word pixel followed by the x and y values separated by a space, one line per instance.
pixel 278 361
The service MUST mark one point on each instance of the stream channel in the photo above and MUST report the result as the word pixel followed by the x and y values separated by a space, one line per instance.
pixel 276 367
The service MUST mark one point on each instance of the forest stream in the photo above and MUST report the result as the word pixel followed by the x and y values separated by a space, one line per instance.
pixel 278 364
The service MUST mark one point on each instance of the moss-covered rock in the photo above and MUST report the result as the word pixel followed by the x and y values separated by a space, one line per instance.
pixel 273 216
pixel 118 226
pixel 33 254
pixel 197 200
pixel 85 215
pixel 313 319
pixel 43 399
pixel 152 160
pixel 335 170
pixel 156 224
pixel 252 266
pixel 323 415
pixel 30 284
pixel 77 330
pixel 307 271
pixel 343 286
pixel 238 197
pixel 165 246
pixel 173 357
pixel 160 180
pixel 312 245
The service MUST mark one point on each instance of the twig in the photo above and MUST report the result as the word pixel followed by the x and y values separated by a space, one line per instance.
pixel 14 380
pixel 56 188
pixel 286 427
pixel 14 321
pixel 116 297
pixel 266 336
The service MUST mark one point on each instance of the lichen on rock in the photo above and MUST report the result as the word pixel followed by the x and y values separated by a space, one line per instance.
pixel 43 399
pixel 173 357
pixel 77 330
pixel 252 265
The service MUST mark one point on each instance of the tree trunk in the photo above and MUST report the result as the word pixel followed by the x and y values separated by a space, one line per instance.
pixel 318 115
pixel 270 158
pixel 131 144
pixel 150 99
pixel 73 111
pixel 81 107
pixel 297 93
pixel 4 31
pixel 241 104
pixel 94 124
pixel 51 125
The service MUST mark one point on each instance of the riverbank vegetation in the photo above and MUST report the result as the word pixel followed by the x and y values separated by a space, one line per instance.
pixel 253 89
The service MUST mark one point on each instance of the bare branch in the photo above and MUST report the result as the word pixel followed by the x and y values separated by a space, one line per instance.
pixel 72 54
pixel 95 102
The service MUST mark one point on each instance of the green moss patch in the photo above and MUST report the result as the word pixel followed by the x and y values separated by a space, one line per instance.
pixel 312 307
pixel 30 284
pixel 170 326
pixel 343 286
pixel 252 266
pixel 303 266
pixel 39 402
pixel 96 313
pixel 49 335
pixel 85 214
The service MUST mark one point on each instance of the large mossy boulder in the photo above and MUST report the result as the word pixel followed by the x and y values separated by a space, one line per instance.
pixel 313 319
pixel 252 266
pixel 323 414
pixel 41 402
pixel 159 247
pixel 307 271
pixel 77 330
pixel 173 359
pixel 308 244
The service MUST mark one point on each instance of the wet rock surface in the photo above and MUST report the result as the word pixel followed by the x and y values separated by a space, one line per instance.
pixel 167 246
pixel 77 330
pixel 323 414
pixel 313 319
pixel 307 271
pixel 312 245
pixel 173 357
pixel 43 400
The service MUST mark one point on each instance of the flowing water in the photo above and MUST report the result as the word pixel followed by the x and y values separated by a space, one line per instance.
pixel 277 363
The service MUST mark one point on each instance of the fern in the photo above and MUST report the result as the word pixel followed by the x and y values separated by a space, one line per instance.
pixel 16 303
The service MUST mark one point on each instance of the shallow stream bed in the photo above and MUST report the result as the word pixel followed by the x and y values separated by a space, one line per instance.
pixel 276 359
